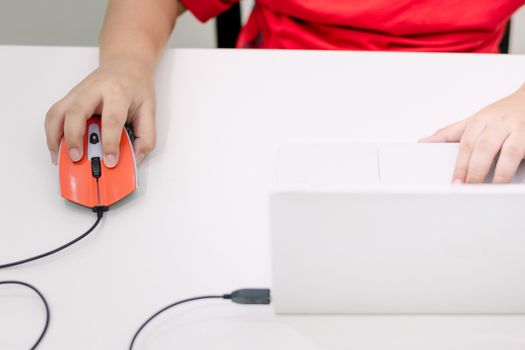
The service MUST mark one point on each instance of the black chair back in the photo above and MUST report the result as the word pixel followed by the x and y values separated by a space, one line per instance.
pixel 505 41
pixel 228 27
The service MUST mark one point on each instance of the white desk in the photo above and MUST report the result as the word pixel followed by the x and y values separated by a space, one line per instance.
pixel 199 221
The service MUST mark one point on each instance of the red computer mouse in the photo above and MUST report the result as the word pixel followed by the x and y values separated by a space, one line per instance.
pixel 89 182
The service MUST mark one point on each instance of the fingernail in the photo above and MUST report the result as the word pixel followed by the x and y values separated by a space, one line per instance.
pixel 140 158
pixel 54 157
pixel 110 160
pixel 457 181
pixel 74 154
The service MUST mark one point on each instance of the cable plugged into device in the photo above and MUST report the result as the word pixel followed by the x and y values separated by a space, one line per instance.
pixel 249 296
pixel 100 210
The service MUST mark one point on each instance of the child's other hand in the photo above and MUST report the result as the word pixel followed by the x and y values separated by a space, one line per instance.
pixel 121 90
pixel 497 128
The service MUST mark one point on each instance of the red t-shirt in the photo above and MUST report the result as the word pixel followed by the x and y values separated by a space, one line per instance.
pixel 387 25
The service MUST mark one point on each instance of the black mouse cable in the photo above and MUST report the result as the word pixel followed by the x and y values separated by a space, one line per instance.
pixel 44 301
pixel 100 213
pixel 240 296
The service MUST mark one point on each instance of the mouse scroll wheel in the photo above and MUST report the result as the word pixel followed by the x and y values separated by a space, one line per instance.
pixel 93 138
pixel 96 169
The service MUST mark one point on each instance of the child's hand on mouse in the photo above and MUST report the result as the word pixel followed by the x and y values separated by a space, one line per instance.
pixel 497 128
pixel 120 90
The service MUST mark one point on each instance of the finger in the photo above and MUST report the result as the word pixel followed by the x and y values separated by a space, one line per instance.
pixel 144 128
pixel 466 145
pixel 487 146
pixel 511 155
pixel 54 127
pixel 450 133
pixel 114 115
pixel 77 113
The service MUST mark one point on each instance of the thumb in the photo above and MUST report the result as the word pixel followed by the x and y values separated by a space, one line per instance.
pixel 450 133
pixel 144 130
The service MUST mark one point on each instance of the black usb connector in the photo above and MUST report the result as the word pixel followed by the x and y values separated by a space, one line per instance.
pixel 249 296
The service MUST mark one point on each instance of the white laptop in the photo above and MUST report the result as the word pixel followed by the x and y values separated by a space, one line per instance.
pixel 379 228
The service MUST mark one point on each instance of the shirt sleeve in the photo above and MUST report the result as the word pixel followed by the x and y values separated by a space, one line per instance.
pixel 206 9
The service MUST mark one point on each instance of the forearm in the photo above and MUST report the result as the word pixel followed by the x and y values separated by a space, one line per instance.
pixel 137 30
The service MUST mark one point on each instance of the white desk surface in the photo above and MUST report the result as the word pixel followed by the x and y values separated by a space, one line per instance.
pixel 198 223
